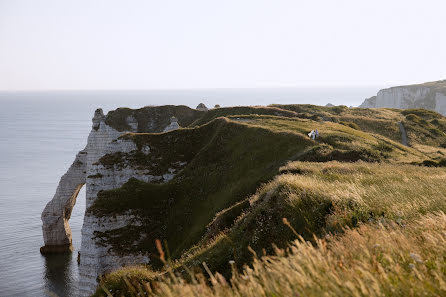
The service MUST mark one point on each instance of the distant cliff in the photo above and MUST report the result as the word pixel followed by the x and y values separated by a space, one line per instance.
pixel 430 95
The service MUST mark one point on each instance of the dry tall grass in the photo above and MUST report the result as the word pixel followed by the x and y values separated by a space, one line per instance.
pixel 397 249
pixel 372 260
pixel 368 191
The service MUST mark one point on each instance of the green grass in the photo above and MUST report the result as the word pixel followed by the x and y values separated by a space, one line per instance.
pixel 227 161
pixel 425 127
pixel 242 170
pixel 242 110
pixel 152 118
pixel 321 199
pixel 338 141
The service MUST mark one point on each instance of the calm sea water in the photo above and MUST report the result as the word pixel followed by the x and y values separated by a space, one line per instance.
pixel 40 133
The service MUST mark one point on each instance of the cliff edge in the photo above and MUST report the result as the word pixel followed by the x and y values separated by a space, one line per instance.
pixel 430 95
pixel 103 139
pixel 185 175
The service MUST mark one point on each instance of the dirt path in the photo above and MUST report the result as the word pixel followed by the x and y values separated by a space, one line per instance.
pixel 403 134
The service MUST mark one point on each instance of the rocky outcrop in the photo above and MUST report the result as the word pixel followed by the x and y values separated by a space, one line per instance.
pixel 173 125
pixel 403 134
pixel 201 107
pixel 150 118
pixel 55 216
pixel 96 257
pixel 430 96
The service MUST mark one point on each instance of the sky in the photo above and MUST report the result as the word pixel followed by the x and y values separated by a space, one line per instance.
pixel 131 44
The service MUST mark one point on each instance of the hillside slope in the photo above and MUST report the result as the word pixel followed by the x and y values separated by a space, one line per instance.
pixel 239 171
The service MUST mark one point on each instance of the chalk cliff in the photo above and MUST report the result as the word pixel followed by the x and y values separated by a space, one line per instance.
pixel 146 179
pixel 431 95
pixel 95 257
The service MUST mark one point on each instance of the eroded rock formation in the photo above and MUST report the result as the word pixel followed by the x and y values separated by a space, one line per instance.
pixel 95 257
pixel 55 216
pixel 202 107
pixel 173 125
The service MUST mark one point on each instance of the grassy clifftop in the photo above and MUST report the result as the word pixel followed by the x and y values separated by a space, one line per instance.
pixel 226 161
pixel 394 245
pixel 247 168
pixel 151 119
pixel 438 86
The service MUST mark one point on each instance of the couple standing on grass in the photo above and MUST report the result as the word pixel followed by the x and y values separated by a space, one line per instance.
pixel 314 134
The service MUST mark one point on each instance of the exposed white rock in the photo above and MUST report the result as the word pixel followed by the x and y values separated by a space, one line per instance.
pixel 168 176
pixel 146 150
pixel 96 259
pixel 400 97
pixel 120 145
pixel 55 216
pixel 173 125
pixel 428 96
pixel 132 122
pixel 202 107
pixel 440 103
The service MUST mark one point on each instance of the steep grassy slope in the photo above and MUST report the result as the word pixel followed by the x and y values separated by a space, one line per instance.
pixel 372 260
pixel 324 197
pixel 226 162
pixel 321 198
pixel 249 167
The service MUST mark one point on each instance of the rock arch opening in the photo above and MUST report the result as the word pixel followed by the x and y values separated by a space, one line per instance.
pixel 56 230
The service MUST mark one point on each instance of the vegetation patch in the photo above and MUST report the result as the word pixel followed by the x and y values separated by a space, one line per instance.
pixel 359 211
pixel 350 124
pixel 397 212
pixel 152 118
pixel 242 110
pixel 228 161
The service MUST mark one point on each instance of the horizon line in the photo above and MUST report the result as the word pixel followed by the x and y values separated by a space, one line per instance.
pixel 191 88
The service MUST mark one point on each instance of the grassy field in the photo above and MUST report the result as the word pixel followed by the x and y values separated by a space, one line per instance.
pixel 357 204
pixel 372 260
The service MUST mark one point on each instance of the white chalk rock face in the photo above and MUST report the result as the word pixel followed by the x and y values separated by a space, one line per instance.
pixel 96 257
pixel 400 97
pixel 430 96
pixel 440 103
pixel 173 125
pixel 55 216
pixel 56 230
pixel 132 122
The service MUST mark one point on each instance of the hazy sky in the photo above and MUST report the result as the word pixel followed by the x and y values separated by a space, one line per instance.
pixel 204 44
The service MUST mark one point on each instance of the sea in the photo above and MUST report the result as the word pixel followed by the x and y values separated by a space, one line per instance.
pixel 40 134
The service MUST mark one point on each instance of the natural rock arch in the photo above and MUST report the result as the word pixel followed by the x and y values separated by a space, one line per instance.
pixel 56 230
pixel 94 259
pixel 55 216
